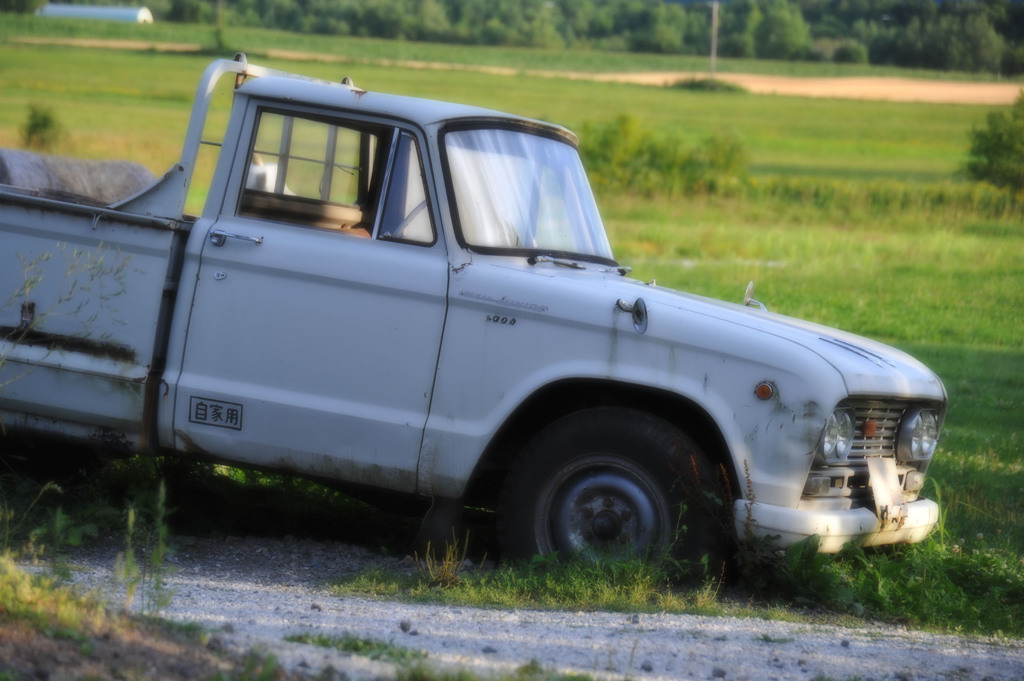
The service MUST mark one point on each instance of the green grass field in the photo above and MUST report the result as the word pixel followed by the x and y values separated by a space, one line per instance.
pixel 941 280
pixel 785 136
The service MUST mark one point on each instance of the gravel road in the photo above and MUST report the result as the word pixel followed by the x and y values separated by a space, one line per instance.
pixel 253 592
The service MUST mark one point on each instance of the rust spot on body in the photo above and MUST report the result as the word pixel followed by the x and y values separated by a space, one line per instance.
pixel 87 346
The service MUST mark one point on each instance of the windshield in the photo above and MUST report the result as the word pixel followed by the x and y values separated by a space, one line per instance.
pixel 525 193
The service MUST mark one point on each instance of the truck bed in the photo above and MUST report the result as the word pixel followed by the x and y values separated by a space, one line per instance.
pixel 81 315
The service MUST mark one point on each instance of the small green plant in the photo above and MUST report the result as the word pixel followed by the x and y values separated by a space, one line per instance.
pixel 800 574
pixel 256 667
pixel 768 638
pixel 366 647
pixel 424 672
pixel 41 129
pixel 531 671
pixel 60 532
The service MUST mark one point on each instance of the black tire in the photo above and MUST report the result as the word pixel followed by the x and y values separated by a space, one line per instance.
pixel 614 483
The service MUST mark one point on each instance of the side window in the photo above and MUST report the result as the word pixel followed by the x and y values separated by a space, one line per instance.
pixel 404 215
pixel 314 172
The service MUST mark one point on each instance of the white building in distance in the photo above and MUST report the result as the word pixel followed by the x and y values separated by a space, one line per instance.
pixel 137 15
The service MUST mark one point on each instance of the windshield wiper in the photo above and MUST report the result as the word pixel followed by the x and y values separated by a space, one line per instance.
pixel 534 259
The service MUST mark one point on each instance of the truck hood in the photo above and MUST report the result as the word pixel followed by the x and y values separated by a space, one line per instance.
pixel 867 367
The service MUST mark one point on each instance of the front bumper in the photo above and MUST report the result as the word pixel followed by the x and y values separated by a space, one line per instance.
pixel 834 527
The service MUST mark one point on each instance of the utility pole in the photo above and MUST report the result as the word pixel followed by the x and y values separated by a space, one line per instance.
pixel 219 32
pixel 714 35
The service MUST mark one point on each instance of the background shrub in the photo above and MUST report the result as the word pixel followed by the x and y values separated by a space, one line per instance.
pixel 625 155
pixel 851 52
pixel 997 151
pixel 41 129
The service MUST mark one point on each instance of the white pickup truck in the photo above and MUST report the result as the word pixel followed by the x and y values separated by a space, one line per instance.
pixel 418 297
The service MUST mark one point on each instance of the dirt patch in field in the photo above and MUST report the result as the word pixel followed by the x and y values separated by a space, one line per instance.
pixel 855 87
pixel 110 44
pixel 861 87
pixel 888 89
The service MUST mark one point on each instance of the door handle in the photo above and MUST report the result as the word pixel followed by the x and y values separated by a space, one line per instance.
pixel 218 237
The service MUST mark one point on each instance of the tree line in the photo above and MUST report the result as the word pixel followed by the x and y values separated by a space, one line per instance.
pixel 961 35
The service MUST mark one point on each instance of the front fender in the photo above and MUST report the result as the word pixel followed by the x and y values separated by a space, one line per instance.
pixel 499 350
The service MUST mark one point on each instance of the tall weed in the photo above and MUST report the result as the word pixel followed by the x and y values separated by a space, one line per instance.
pixel 21 511
pixel 142 564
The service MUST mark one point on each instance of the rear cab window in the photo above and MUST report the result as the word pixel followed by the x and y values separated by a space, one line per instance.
pixel 355 178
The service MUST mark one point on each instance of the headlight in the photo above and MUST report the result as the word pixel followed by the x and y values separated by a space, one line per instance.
pixel 919 433
pixel 837 439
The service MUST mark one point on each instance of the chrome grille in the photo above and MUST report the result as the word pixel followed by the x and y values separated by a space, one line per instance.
pixel 875 428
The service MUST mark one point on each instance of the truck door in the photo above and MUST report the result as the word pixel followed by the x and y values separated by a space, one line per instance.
pixel 318 308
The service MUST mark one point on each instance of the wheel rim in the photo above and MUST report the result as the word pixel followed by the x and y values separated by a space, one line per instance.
pixel 602 507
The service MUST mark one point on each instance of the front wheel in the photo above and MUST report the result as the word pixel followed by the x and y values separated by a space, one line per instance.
pixel 613 483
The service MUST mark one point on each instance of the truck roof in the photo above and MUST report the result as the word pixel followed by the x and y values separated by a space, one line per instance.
pixel 423 112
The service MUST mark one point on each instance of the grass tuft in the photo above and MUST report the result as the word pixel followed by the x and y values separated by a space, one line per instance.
pixel 444 571
pixel 544 582
pixel 42 604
